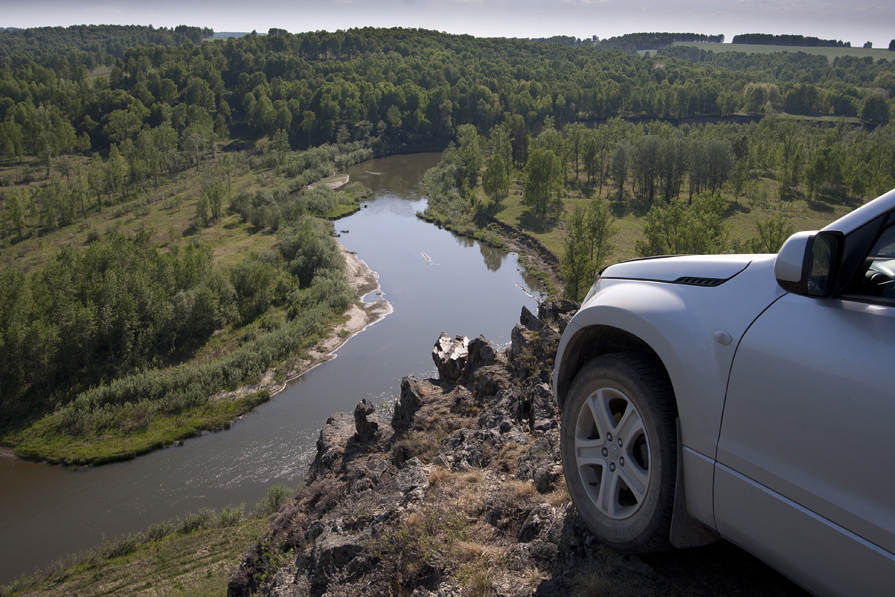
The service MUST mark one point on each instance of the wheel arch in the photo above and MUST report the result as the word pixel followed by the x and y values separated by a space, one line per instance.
pixel 594 341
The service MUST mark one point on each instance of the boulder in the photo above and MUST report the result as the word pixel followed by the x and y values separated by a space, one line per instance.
pixel 366 421
pixel 408 403
pixel 450 357
pixel 529 320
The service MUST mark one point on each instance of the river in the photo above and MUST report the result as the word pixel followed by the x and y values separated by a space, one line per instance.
pixel 434 281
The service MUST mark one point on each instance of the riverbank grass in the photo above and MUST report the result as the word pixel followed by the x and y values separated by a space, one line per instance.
pixel 193 555
pixel 45 440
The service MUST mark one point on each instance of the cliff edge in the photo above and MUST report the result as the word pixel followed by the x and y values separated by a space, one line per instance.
pixel 460 491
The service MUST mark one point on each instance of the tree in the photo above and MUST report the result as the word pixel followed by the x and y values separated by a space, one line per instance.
pixel 587 245
pixel 501 145
pixel 679 229
pixel 542 179
pixel 600 228
pixel 574 265
pixel 618 169
pixel 772 233
pixel 15 213
pixel 875 109
pixel 495 180
pixel 470 153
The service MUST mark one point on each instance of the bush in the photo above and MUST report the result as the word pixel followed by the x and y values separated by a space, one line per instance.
pixel 272 501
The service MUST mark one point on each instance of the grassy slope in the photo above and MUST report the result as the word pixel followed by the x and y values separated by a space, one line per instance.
pixel 198 563
pixel 169 209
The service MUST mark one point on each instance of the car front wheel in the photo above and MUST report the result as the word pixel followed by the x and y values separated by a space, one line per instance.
pixel 619 451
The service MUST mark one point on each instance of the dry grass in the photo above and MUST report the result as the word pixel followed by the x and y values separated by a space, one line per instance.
pixel 590 583
pixel 439 475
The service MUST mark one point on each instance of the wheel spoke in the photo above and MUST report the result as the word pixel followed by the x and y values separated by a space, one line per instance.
pixel 588 450
pixel 599 407
pixel 636 479
pixel 608 493
pixel 630 426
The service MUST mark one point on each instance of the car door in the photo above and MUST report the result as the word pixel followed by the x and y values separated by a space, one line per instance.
pixel 805 473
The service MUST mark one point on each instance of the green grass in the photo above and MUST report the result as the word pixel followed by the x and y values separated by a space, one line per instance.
pixel 169 210
pixel 193 556
pixel 43 440
pixel 342 210
pixel 830 53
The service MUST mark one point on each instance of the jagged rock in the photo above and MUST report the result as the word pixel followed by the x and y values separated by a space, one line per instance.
pixel 529 320
pixel 519 341
pixel 467 449
pixel 408 403
pixel 480 353
pixel 558 313
pixel 333 551
pixel 539 518
pixel 540 463
pixel 331 443
pixel 535 406
pixel 366 420
pixel 549 311
pixel 450 357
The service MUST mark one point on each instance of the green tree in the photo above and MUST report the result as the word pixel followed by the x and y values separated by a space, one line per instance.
pixel 587 246
pixel 543 178
pixel 495 180
pixel 621 163
pixel 469 153
pixel 680 229
pixel 15 213
pixel 875 109
pixel 772 233
pixel 575 264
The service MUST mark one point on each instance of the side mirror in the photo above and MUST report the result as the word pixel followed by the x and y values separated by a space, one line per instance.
pixel 808 262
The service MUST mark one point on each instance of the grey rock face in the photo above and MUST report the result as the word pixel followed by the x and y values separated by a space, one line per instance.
pixel 366 420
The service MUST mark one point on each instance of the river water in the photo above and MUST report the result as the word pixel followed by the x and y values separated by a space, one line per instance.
pixel 434 281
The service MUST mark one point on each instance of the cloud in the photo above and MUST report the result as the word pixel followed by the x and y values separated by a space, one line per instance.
pixel 586 1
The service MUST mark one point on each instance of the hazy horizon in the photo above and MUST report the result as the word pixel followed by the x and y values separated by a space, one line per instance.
pixel 856 22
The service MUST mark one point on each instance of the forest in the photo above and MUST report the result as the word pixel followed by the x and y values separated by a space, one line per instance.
pixel 569 142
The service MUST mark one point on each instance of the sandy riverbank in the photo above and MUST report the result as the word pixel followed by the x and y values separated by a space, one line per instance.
pixel 361 315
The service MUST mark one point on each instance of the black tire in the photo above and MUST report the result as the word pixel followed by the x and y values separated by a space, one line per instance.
pixel 619 451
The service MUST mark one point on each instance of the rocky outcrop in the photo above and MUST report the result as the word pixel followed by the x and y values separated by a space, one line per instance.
pixel 460 493
pixel 465 475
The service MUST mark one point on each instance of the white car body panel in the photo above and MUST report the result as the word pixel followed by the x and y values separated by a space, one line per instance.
pixel 799 427
pixel 823 558
pixel 662 315
pixel 785 400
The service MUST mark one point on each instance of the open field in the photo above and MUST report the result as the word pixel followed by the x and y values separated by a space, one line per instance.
pixel 830 53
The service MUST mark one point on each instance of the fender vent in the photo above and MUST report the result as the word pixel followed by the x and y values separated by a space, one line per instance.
pixel 700 281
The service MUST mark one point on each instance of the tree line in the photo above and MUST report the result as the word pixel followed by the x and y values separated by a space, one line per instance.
pixel 788 40
pixel 405 86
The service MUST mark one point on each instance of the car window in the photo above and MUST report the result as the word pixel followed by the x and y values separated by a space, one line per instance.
pixel 878 273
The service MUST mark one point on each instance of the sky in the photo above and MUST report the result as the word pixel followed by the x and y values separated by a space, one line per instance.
pixel 855 21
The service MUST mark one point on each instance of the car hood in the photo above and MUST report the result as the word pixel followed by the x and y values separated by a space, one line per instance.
pixel 707 270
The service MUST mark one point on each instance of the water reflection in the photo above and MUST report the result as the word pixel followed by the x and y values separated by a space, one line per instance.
pixel 493 257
